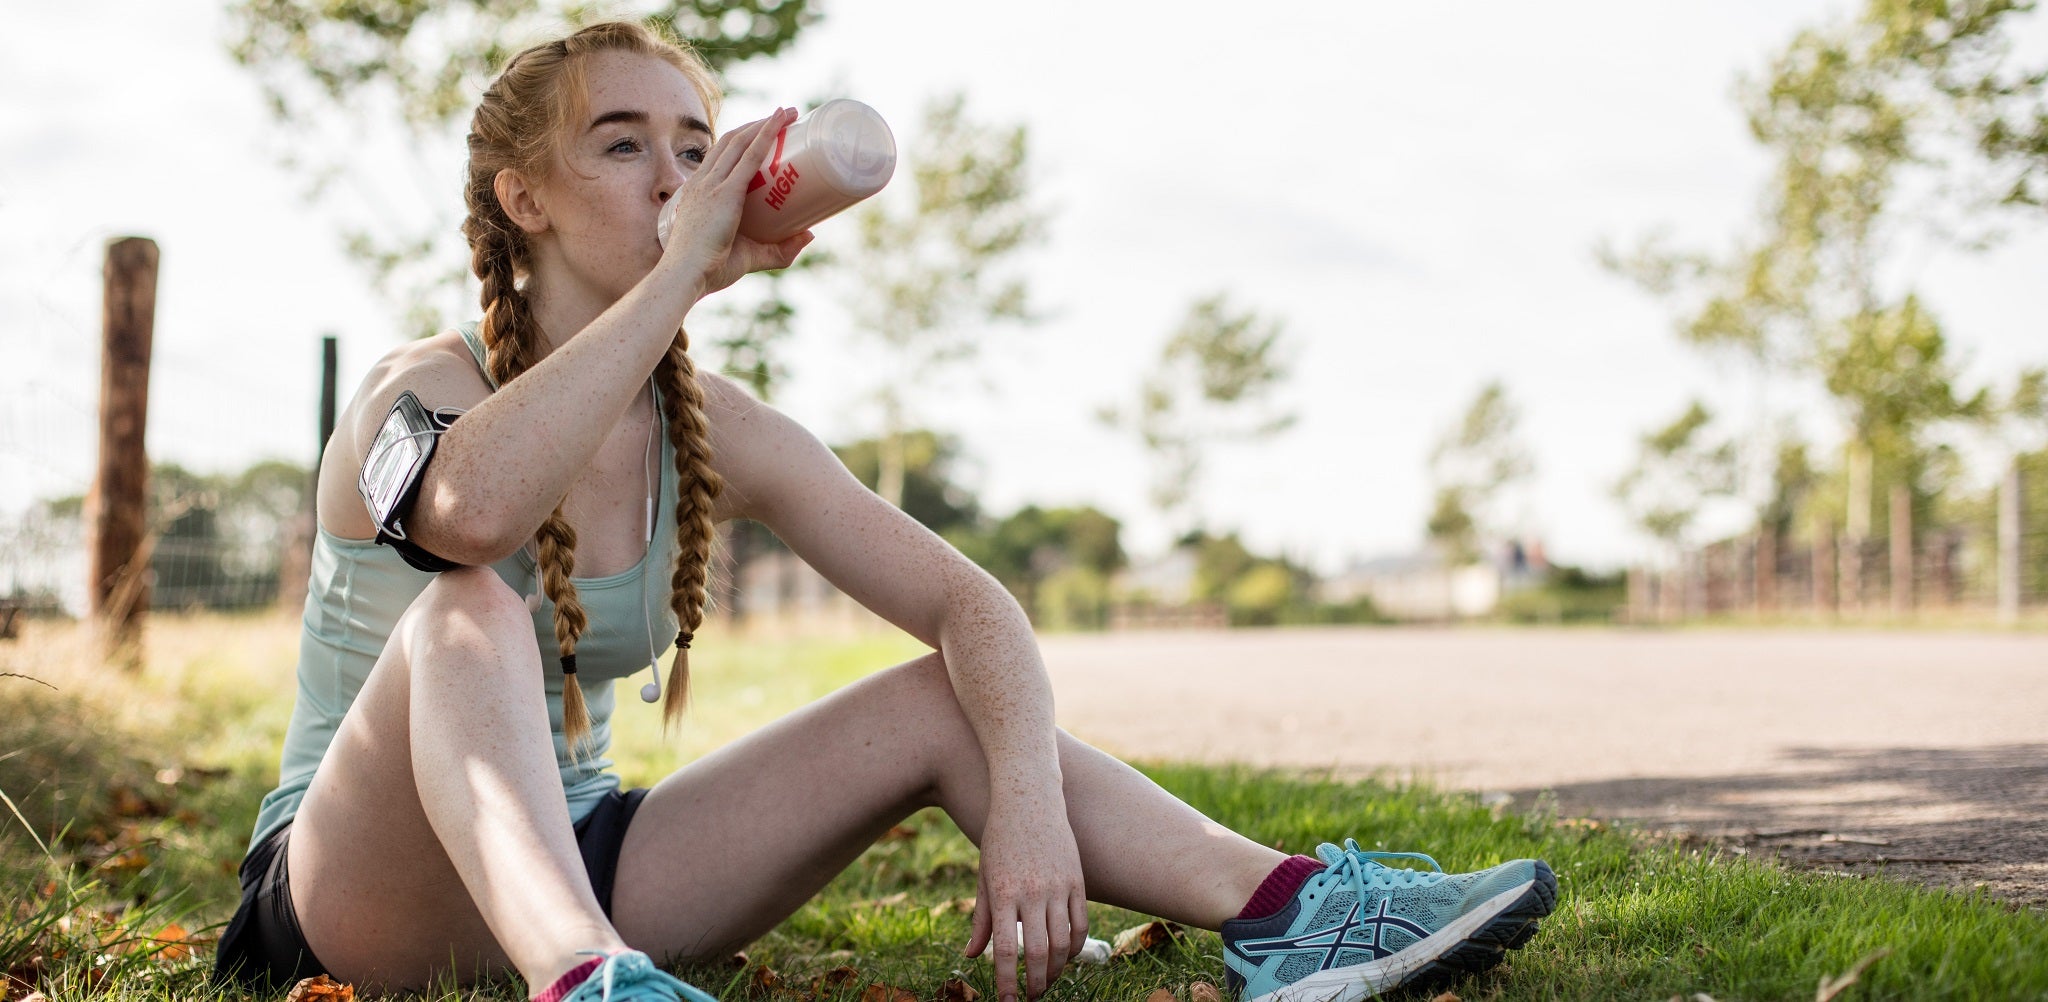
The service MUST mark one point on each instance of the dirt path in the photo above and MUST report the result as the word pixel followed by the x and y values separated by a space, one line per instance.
pixel 1924 754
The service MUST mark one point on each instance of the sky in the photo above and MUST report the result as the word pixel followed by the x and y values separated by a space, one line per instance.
pixel 1416 191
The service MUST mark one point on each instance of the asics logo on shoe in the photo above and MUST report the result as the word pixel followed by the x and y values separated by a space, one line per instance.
pixel 1356 931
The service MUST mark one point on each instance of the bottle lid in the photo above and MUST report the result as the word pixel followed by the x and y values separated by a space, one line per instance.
pixel 859 149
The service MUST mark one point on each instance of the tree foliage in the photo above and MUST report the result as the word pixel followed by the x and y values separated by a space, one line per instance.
pixel 1863 118
pixel 1217 380
pixel 409 71
pixel 1678 469
pixel 932 494
pixel 1473 467
pixel 933 268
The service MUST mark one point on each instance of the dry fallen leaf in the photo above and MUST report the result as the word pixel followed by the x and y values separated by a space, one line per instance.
pixel 35 997
pixel 887 993
pixel 131 861
pixel 1161 995
pixel 1202 991
pixel 964 906
pixel 1149 936
pixel 956 990
pixel 834 979
pixel 171 942
pixel 321 988
pixel 763 981
pixel 898 898
pixel 130 804
pixel 899 833
pixel 1447 997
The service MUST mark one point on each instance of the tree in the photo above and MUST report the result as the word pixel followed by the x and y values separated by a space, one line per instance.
pixel 1961 50
pixel 1216 381
pixel 1678 469
pixel 1056 561
pixel 1853 114
pixel 930 492
pixel 933 265
pixel 343 76
pixel 1474 465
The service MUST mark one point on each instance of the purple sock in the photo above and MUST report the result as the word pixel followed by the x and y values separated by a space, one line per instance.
pixel 567 983
pixel 1280 886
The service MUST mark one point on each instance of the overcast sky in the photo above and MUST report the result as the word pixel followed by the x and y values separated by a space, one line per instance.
pixel 1415 189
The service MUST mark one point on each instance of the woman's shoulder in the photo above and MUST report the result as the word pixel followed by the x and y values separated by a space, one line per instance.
pixel 439 369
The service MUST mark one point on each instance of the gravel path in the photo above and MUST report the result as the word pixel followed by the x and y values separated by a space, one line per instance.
pixel 1924 755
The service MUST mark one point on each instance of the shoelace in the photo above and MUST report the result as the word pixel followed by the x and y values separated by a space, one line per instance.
pixel 634 966
pixel 1359 867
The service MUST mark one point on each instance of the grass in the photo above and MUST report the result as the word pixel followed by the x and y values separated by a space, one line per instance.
pixel 140 792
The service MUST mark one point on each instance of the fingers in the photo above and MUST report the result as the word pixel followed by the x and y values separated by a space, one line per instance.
pixel 1004 922
pixel 1037 953
pixel 728 151
pixel 977 941
pixel 1058 943
pixel 1077 924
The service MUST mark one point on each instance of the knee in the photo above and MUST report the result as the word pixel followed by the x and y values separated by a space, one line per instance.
pixel 467 605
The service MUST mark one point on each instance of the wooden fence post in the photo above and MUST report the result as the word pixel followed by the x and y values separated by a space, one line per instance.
pixel 2009 546
pixel 1902 550
pixel 1765 570
pixel 1824 569
pixel 117 505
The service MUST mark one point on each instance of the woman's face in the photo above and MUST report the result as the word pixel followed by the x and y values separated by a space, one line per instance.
pixel 643 132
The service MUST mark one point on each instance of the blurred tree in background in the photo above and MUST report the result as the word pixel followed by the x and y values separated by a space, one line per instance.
pixel 931 492
pixel 1217 380
pixel 1474 467
pixel 1678 469
pixel 1060 563
pixel 933 268
pixel 343 75
pixel 1905 122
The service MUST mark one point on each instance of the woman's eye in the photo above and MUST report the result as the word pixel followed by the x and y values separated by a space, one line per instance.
pixel 624 146
pixel 694 154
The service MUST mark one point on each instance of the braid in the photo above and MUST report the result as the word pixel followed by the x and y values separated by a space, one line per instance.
pixel 511 337
pixel 697 486
pixel 518 126
pixel 557 559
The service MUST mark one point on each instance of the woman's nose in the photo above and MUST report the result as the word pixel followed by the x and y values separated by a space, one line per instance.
pixel 671 179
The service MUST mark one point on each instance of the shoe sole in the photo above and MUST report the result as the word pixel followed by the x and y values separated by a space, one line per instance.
pixel 1472 943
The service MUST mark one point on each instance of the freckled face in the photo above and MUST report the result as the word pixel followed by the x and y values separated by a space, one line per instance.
pixel 644 130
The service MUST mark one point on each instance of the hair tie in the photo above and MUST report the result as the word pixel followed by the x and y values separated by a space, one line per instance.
pixel 568 664
pixel 683 640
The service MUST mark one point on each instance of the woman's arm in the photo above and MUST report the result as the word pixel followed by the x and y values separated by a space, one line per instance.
pixel 499 471
pixel 781 475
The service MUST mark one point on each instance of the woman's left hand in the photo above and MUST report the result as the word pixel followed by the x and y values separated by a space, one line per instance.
pixel 1030 873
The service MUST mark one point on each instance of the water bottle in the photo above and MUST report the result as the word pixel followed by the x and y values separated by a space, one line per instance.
pixel 833 156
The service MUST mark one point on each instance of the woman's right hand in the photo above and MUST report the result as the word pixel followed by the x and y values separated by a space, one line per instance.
pixel 704 212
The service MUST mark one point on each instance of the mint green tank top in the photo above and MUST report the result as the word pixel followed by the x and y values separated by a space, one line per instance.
pixel 358 590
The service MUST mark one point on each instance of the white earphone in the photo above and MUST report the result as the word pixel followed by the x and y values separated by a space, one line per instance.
pixel 651 692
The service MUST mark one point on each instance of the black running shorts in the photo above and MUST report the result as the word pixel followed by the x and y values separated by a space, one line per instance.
pixel 263 947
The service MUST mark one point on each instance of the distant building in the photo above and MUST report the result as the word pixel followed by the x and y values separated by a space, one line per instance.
pixel 1423 587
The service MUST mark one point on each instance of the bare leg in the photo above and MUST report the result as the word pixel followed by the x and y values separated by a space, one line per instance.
pixel 436 832
pixel 727 847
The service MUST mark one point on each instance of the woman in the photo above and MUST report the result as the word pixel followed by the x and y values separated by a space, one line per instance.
pixel 444 805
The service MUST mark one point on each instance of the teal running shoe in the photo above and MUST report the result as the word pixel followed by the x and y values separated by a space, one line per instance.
pixel 1359 927
pixel 629 976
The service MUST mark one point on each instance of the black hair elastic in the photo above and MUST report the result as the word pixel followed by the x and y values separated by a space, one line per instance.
pixel 568 664
pixel 683 640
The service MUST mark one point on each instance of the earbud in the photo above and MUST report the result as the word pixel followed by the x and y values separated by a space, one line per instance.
pixel 651 692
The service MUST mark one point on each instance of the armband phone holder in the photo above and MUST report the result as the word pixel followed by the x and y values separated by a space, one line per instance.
pixel 393 470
